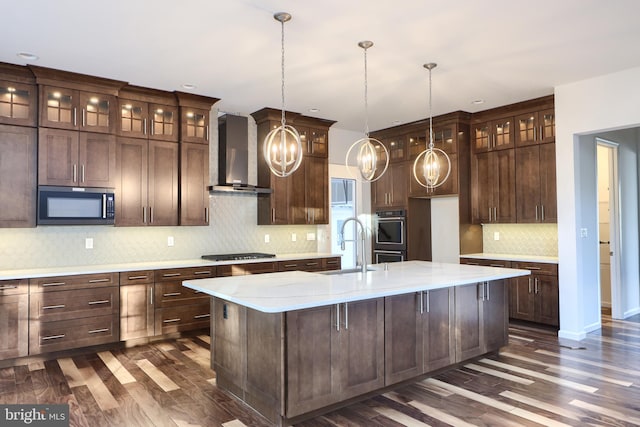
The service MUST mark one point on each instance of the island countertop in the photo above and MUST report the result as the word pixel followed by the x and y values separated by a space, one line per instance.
pixel 286 291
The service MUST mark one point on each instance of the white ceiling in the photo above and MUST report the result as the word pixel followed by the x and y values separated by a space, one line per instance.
pixel 502 51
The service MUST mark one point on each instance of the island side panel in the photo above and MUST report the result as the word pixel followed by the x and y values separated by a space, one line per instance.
pixel 264 386
pixel 495 316
pixel 228 346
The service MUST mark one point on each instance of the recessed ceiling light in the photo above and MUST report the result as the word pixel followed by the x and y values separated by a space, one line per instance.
pixel 188 86
pixel 28 56
pixel 314 110
pixel 477 101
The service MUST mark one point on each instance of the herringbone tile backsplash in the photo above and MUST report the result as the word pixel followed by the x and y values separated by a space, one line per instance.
pixel 521 239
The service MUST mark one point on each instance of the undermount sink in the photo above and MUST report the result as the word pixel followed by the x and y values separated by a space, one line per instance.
pixel 347 271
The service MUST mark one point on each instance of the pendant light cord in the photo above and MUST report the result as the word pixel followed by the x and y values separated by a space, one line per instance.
pixel 282 73
pixel 430 114
pixel 366 97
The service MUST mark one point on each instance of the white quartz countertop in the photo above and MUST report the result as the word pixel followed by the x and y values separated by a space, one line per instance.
pixel 33 273
pixel 512 257
pixel 286 291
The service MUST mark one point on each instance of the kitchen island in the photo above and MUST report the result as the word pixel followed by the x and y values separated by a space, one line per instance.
pixel 294 344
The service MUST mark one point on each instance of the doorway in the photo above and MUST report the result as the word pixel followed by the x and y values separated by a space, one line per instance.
pixel 608 228
pixel 343 206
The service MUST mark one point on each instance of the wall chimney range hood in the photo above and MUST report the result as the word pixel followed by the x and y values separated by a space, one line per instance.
pixel 233 156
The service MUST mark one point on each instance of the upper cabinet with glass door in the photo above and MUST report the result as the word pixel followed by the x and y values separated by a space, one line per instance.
pixel 496 134
pixel 148 113
pixel 536 127
pixel 18 96
pixel 75 101
pixel 194 117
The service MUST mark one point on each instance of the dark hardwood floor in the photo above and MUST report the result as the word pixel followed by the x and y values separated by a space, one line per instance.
pixel 536 380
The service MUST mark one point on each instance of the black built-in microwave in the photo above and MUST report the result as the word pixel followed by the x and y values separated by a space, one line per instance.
pixel 390 230
pixel 75 206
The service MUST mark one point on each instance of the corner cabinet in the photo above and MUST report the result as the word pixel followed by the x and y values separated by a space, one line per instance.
pixel 302 197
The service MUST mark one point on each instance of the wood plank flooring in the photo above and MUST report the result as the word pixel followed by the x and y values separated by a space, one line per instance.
pixel 536 380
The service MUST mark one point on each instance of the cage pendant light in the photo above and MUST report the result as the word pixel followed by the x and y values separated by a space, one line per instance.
pixel 282 148
pixel 432 167
pixel 371 155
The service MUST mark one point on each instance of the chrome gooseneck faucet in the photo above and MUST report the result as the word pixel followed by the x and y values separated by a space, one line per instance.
pixel 363 235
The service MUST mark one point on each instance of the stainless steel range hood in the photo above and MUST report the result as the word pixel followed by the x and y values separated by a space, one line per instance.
pixel 233 156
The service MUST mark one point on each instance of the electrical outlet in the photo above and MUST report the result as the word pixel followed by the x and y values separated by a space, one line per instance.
pixel 170 241
pixel 496 235
pixel 88 243
pixel 267 239
pixel 311 236
pixel 583 233
pixel 293 237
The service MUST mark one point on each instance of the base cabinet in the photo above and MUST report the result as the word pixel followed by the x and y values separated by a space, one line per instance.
pixel 535 298
pixel 14 320
pixel 482 325
pixel 287 365
pixel 419 333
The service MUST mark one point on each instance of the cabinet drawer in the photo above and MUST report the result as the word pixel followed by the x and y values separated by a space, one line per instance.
pixel 14 287
pixel 170 294
pixel 63 283
pixel 486 262
pixel 180 274
pixel 54 306
pixel 246 268
pixel 183 318
pixel 537 267
pixel 332 263
pixel 134 277
pixel 301 265
pixel 74 333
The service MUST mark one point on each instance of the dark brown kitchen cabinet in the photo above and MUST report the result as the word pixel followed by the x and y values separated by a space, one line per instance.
pixel 194 180
pixel 147 185
pixel 448 187
pixel 302 197
pixel 493 187
pixel 391 189
pixel 136 305
pixel 65 108
pixel 482 326
pixel 79 159
pixel 18 171
pixel 537 127
pixel 344 358
pixel 246 268
pixel 68 312
pixel 494 134
pixel 535 298
pixel 536 199
pixel 314 264
pixel 147 113
pixel 14 322
pixel 419 333
pixel 194 117
pixel 18 102
pixel 178 308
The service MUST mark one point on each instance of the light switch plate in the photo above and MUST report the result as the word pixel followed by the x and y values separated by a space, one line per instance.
pixel 583 233
pixel 88 243
pixel 267 239
pixel 293 237
pixel 311 236
pixel 496 235
pixel 170 241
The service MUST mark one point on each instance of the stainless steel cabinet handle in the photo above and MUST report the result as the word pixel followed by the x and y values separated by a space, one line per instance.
pixel 419 295
pixel 75 122
pixel 171 274
pixel 144 126
pixel 426 294
pixel 144 214
pixel 202 272
pixel 207 132
pixel 177 319
pixel 53 337
pixel 537 285
pixel 151 295
pixel 97 331
pixel 103 301
pixel 82 173
pixel 151 214
pixel 528 267
pixel 52 307
pixel 206 214
pixel 99 280
pixel 489 214
pixel 172 294
pixel 136 277
pixel 337 317
pixel 84 117
pixel 346 315
pixel 75 172
pixel 536 212
pixel 486 284
pixel 542 209
pixel 201 316
pixel 153 126
pixel 53 284
pixel 530 285
pixel 6 287
pixel 534 134
pixel 495 214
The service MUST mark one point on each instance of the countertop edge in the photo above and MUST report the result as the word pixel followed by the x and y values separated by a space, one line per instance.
pixel 512 257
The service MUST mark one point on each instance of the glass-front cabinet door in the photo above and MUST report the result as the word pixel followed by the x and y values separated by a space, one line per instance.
pixel 164 122
pixel 535 128
pixel 64 108
pixel 17 103
pixel 195 125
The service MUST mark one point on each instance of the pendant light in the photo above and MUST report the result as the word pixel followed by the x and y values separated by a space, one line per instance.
pixel 432 167
pixel 282 147
pixel 370 154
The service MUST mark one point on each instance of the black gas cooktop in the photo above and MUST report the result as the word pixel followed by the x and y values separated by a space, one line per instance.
pixel 233 257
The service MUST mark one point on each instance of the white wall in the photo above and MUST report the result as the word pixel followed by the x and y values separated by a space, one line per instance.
pixel 584 108
pixel 445 230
